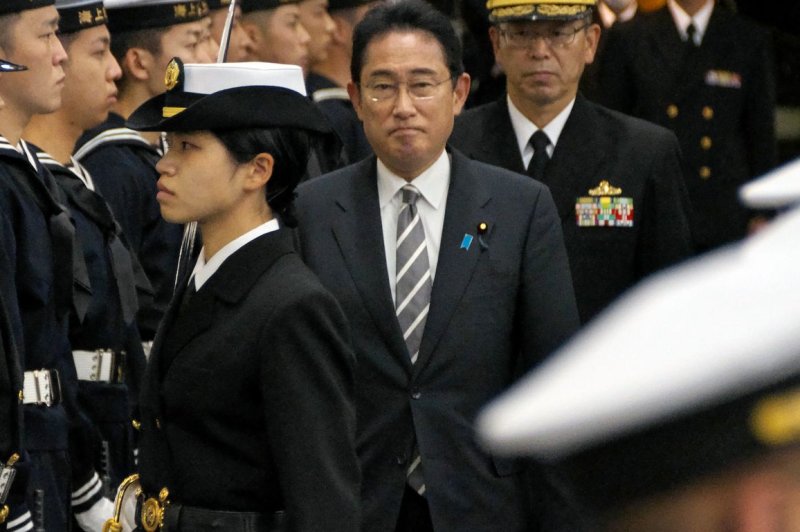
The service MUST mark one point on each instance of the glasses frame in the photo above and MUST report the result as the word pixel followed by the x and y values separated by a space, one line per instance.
pixel 396 92
pixel 548 39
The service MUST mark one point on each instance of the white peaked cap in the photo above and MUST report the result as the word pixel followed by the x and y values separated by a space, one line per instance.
pixel 776 189
pixel 709 330
pixel 215 77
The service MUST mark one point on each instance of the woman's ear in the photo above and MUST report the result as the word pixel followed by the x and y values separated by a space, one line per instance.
pixel 259 171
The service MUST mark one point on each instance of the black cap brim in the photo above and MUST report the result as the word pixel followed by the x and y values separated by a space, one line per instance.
pixel 236 108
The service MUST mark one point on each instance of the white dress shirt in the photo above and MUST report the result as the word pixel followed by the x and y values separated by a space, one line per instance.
pixel 204 270
pixel 700 19
pixel 433 185
pixel 524 128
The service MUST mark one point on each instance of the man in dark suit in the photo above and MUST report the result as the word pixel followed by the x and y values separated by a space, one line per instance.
pixel 715 89
pixel 616 180
pixel 454 277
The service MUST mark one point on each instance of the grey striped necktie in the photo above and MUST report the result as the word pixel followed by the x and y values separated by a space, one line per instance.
pixel 413 282
pixel 412 297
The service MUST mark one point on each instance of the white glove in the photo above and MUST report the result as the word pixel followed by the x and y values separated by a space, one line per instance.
pixel 93 519
pixel 127 516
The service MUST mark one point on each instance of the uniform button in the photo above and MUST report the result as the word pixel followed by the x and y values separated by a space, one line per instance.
pixel 672 110
pixel 705 172
pixel 416 394
pixel 136 424
pixel 158 423
pixel 708 113
pixel 21 396
pixel 705 143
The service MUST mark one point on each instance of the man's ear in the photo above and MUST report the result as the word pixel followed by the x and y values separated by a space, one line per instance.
pixel 259 171
pixel 254 34
pixel 137 63
pixel 355 97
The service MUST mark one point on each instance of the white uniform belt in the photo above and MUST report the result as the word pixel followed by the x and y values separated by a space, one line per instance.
pixel 41 387
pixel 100 365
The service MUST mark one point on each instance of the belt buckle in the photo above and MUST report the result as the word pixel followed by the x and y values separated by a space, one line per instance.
pixel 153 511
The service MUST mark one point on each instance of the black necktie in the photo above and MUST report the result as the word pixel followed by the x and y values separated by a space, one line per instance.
pixel 536 167
pixel 691 31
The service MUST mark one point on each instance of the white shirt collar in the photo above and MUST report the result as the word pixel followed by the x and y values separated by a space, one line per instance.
pixel 700 19
pixel 524 128
pixel 608 17
pixel 430 184
pixel 204 270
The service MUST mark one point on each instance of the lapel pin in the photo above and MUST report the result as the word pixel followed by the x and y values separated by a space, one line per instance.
pixel 483 227
pixel 466 242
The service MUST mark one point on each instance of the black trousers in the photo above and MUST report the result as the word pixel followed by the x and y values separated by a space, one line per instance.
pixel 415 516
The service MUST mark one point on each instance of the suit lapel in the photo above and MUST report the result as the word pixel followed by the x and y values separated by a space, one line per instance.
pixel 232 282
pixel 577 158
pixel 705 57
pixel 466 199
pixel 666 40
pixel 503 150
pixel 359 234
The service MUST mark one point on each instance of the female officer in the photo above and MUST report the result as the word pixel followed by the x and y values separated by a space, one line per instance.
pixel 247 416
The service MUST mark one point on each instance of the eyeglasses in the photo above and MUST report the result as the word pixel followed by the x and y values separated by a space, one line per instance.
pixel 525 37
pixel 418 89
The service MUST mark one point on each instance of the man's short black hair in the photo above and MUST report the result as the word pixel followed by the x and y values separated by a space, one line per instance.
pixel 405 16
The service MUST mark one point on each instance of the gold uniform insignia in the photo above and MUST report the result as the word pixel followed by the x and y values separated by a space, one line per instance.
pixel 172 75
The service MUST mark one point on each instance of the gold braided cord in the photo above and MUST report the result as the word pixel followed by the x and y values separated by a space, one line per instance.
pixel 494 4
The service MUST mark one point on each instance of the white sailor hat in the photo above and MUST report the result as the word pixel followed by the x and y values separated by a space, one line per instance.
pixel 695 369
pixel 225 96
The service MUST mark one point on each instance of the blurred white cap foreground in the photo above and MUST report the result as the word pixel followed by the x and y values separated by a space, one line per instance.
pixel 695 368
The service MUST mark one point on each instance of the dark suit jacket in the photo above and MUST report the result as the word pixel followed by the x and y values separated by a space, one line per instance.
pixel 719 101
pixel 247 401
pixel 598 144
pixel 497 307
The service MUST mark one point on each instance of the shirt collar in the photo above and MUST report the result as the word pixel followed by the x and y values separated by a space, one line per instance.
pixel 20 149
pixel 204 270
pixel 524 128
pixel 432 183
pixel 700 19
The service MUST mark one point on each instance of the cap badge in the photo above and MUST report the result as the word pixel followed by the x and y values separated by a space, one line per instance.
pixel 173 75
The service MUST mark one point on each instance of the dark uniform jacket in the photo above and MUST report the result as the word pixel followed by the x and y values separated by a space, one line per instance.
pixel 719 99
pixel 334 102
pixel 43 279
pixel 122 164
pixel 499 305
pixel 597 145
pixel 11 437
pixel 247 402
pixel 109 323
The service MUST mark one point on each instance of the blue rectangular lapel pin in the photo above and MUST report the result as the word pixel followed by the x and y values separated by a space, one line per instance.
pixel 466 242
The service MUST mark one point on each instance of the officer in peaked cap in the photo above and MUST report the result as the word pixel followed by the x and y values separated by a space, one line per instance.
pixel 617 181
pixel 220 441
pixel 678 408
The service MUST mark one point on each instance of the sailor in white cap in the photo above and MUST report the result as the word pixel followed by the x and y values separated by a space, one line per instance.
pixel 247 414
pixel 679 408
